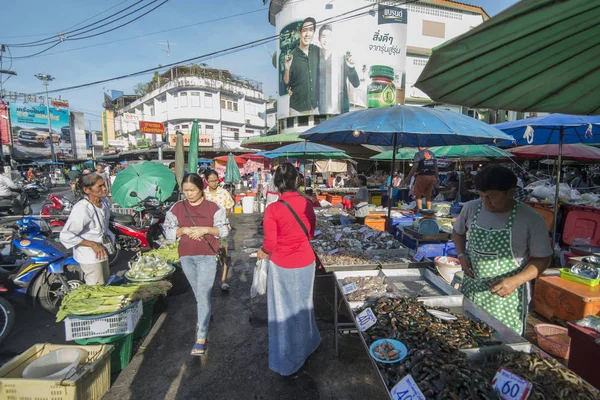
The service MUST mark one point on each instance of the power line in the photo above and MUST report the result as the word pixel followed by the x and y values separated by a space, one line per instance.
pixel 149 34
pixel 227 51
pixel 96 34
pixel 51 33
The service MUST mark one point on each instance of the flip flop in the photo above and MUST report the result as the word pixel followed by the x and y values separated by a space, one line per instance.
pixel 198 350
pixel 225 287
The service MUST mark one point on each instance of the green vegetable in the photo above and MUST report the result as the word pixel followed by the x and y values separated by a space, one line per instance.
pixel 168 253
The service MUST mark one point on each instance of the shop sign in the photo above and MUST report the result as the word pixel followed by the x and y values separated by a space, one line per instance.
pixel 366 319
pixel 203 140
pixel 131 117
pixel 510 386
pixel 155 128
pixel 59 104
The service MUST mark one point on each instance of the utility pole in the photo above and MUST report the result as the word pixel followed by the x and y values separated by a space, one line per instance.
pixel 45 78
pixel 168 51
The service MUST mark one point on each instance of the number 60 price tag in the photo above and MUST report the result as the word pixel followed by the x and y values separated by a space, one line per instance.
pixel 510 386
pixel 406 389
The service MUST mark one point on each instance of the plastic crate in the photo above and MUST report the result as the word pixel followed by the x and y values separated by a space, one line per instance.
pixel 565 273
pixel 121 356
pixel 546 210
pixel 143 327
pixel 431 250
pixel 90 382
pixel 404 221
pixel 375 223
pixel 120 322
pixel 116 209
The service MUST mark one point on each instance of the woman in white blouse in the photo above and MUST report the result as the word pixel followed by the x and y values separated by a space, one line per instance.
pixel 87 229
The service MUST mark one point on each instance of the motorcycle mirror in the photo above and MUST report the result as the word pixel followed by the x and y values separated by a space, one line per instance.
pixel 133 194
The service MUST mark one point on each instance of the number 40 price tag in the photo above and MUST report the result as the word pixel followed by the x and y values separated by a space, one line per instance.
pixel 406 389
pixel 510 386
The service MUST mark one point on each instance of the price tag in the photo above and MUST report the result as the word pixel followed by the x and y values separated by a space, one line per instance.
pixel 368 235
pixel 510 386
pixel 337 237
pixel 406 389
pixel 419 257
pixel 349 288
pixel 333 251
pixel 363 229
pixel 317 233
pixel 366 319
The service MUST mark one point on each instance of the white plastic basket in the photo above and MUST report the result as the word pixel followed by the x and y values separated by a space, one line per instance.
pixel 116 209
pixel 121 322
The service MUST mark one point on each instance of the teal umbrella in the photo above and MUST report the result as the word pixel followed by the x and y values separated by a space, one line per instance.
pixel 232 171
pixel 179 160
pixel 193 152
pixel 403 153
pixel 140 181
pixel 463 152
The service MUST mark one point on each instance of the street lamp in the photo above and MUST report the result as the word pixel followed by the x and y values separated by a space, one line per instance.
pixel 45 78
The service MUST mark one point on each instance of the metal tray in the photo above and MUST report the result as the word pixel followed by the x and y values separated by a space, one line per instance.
pixel 352 267
pixel 480 353
pixel 418 282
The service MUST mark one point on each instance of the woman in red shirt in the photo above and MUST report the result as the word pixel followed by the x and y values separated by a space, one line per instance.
pixel 288 224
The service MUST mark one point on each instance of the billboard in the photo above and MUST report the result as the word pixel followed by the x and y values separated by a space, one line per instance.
pixel 329 64
pixel 31 135
pixel 78 138
pixel 156 128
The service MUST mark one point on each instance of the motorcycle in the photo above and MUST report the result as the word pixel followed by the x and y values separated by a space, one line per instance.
pixel 7 313
pixel 56 205
pixel 31 189
pixel 18 205
pixel 38 268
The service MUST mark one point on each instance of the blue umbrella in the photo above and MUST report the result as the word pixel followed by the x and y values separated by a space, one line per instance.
pixel 553 129
pixel 404 126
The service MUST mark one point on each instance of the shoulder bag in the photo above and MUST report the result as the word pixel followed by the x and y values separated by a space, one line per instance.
pixel 285 203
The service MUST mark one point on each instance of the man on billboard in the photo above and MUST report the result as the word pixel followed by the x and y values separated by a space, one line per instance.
pixel 331 69
pixel 301 70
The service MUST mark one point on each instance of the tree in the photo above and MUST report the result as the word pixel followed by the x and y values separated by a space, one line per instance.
pixel 140 89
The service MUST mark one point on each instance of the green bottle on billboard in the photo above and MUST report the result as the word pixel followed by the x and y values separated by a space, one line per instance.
pixel 381 92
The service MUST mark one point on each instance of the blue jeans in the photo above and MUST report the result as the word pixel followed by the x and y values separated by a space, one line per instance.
pixel 200 272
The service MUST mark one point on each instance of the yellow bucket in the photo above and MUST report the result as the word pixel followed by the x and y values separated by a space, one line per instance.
pixel 376 199
pixel 237 209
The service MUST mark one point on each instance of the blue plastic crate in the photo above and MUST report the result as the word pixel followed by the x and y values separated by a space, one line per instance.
pixel 396 222
pixel 450 249
pixel 412 244
pixel 432 251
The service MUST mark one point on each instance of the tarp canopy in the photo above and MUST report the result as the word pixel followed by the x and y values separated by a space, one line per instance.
pixel 270 141
pixel 306 151
pixel 470 152
pixel 538 55
pixel 579 152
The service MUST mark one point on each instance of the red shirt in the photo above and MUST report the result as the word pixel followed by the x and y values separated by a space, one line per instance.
pixel 203 215
pixel 285 240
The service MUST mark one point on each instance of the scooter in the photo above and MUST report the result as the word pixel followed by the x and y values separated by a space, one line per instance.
pixel 56 205
pixel 7 313
pixel 18 205
pixel 38 268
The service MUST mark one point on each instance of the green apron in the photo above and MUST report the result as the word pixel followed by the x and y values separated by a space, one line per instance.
pixel 492 259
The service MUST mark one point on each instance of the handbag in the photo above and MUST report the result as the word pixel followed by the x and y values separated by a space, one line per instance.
pixel 317 261
pixel 106 242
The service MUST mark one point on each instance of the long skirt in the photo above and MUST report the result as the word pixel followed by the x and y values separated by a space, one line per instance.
pixel 293 333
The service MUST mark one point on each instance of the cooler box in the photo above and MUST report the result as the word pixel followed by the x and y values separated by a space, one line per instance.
pixel 581 222
pixel 555 297
pixel 584 353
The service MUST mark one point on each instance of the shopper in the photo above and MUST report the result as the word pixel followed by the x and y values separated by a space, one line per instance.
pixel 87 230
pixel 361 200
pixel 508 247
pixel 427 177
pixel 289 224
pixel 217 194
pixel 198 224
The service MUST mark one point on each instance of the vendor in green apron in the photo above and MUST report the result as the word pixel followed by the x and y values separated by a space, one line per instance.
pixel 508 246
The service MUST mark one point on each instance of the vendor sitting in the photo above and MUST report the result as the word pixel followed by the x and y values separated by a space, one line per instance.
pixel 338 182
pixel 361 200
pixel 450 187
pixel 508 247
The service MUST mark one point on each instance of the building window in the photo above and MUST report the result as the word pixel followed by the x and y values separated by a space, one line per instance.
pixel 230 133
pixel 229 104
pixel 176 101
pixel 420 62
pixel 434 29
pixel 303 120
pixel 318 119
pixel 208 100
pixel 289 122
pixel 280 125
pixel 151 108
pixel 183 99
pixel 438 11
pixel 185 128
pixel 251 109
pixel 236 134
pixel 195 100
pixel 209 129
pixel 250 132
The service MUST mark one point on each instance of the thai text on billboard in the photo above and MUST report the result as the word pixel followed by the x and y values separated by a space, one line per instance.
pixel 155 128
pixel 203 140
pixel 331 65
pixel 31 134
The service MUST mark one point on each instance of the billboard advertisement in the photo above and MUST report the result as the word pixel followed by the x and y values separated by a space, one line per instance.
pixel 155 128
pixel 330 64
pixel 31 135
pixel 203 140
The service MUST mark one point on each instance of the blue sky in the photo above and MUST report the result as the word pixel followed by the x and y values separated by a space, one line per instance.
pixel 72 66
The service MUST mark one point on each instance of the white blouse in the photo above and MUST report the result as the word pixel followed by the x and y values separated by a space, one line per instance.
pixel 88 222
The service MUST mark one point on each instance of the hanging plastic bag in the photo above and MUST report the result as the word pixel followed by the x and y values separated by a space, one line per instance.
pixel 259 280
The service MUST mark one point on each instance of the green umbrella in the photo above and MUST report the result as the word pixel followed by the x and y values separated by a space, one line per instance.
pixel 142 180
pixel 403 153
pixel 179 160
pixel 464 152
pixel 232 172
pixel 538 55
pixel 193 151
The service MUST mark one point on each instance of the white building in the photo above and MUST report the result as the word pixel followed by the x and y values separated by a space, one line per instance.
pixel 228 108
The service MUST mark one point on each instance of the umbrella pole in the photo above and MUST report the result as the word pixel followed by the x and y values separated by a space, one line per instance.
pixel 554 222
pixel 391 188
pixel 456 201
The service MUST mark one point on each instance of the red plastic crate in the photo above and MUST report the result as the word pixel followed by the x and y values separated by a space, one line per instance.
pixel 582 222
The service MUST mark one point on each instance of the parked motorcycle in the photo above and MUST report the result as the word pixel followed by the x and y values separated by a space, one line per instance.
pixel 56 206
pixel 7 313
pixel 31 189
pixel 18 205
pixel 38 268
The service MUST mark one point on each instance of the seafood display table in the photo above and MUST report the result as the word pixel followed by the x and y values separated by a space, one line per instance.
pixel 465 352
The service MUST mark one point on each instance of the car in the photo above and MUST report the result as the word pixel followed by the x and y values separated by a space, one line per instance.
pixel 38 136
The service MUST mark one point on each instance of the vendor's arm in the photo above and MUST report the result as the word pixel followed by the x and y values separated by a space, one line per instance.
pixel 459 237
pixel 270 233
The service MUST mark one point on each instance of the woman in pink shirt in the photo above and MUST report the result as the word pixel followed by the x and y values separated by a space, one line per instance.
pixel 288 224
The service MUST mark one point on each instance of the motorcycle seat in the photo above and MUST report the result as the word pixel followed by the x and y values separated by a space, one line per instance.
pixel 122 218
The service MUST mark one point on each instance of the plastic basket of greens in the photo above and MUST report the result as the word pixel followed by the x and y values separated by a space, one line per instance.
pixel 148 268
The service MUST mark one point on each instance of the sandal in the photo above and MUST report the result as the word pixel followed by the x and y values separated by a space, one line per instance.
pixel 225 287
pixel 198 350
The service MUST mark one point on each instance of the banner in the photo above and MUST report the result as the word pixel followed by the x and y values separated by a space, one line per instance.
pixel 78 139
pixel 203 140
pixel 31 135
pixel 330 65
pixel 155 128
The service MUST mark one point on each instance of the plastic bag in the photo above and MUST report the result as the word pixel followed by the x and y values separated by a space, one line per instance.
pixel 591 321
pixel 259 280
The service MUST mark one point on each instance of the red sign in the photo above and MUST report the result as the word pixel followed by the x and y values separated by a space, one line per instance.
pixel 157 128
pixel 59 104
